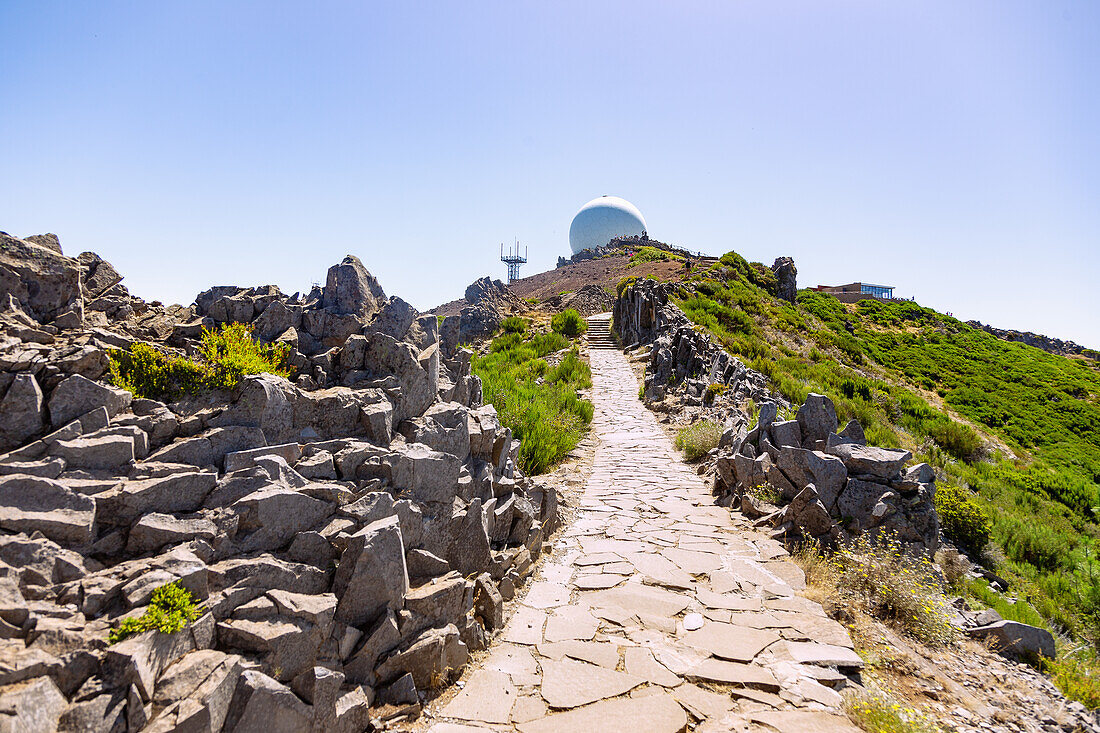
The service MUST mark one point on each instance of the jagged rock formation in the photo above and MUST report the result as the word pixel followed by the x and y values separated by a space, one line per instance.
pixel 681 359
pixel 489 302
pixel 1046 343
pixel 833 483
pixel 588 300
pixel 786 275
pixel 351 535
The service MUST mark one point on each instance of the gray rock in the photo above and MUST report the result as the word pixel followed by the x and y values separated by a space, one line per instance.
pixel 175 493
pixel 808 513
pixel 438 602
pixel 32 504
pixel 104 452
pixel 816 419
pixel 260 704
pixel 77 395
pixel 434 654
pixel 317 466
pixel 386 356
pixel 488 602
pixel 853 432
pixel 394 319
pixel 859 499
pixel 423 564
pixel 23 411
pixel 351 289
pixel 268 519
pixel 787 434
pixel 381 639
pixel 312 548
pixel 431 477
pixel 289 452
pixel 372 575
pixel 195 692
pixel 827 473
pixel 267 573
pixel 35 706
pixel 462 539
pixel 99 275
pixel 43 282
pixel 870 460
pixel 444 428
pixel 154 531
pixel 106 712
pixel 46 468
pixel 140 659
pixel 1015 638
pixel 41 562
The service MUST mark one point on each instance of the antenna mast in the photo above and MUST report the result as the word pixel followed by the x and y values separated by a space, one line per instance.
pixel 513 259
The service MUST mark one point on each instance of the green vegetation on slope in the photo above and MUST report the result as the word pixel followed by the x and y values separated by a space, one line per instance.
pixel 538 402
pixel 228 354
pixel 889 364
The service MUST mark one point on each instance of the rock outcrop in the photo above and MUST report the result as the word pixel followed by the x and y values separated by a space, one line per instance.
pixel 786 276
pixel 347 532
pixel 682 359
pixel 488 303
pixel 1039 341
pixel 830 484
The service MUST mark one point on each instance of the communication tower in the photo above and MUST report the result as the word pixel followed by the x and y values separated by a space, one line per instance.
pixel 513 259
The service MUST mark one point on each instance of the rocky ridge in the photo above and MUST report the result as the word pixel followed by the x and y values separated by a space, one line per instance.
pixel 351 535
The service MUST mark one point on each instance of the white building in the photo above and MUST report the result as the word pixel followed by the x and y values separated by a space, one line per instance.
pixel 601 220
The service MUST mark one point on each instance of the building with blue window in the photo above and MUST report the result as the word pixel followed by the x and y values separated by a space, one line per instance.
pixel 853 292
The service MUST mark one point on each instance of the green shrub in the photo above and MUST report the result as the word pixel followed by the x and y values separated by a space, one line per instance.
pixel 698 439
pixel 231 354
pixel 571 370
pixel 652 254
pixel 170 609
pixel 569 323
pixel 228 354
pixel 514 324
pixel 876 711
pixel 1077 676
pixel 146 372
pixel 895 586
pixel 962 518
pixel 713 390
pixel 539 403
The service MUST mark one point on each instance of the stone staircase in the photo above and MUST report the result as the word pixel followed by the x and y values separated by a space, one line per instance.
pixel 599 332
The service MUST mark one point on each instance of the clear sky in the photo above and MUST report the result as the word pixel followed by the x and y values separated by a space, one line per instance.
pixel 951 149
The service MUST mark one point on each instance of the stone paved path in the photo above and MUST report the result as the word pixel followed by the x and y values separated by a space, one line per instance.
pixel 659 612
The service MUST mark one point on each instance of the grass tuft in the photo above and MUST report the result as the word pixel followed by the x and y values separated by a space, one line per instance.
pixel 698 439
pixel 170 609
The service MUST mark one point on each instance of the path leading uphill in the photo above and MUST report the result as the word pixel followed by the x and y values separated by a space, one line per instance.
pixel 659 608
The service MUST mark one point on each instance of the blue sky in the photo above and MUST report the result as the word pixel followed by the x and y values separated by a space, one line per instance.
pixel 950 149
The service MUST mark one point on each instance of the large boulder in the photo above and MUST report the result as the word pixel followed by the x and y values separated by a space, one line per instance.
pixel 431 477
pixel 33 504
pixel 350 289
pixel 372 575
pixel 77 395
pixel 270 518
pixel 816 420
pixel 386 356
pixel 1017 639
pixel 22 408
pixel 871 460
pixel 44 282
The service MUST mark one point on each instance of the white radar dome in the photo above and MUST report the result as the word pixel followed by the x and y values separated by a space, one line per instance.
pixel 601 220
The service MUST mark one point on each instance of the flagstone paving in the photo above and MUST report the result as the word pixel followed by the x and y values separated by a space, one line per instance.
pixel 601 641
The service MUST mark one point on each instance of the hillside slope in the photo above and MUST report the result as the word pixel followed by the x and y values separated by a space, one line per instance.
pixel 1015 424
pixel 603 272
